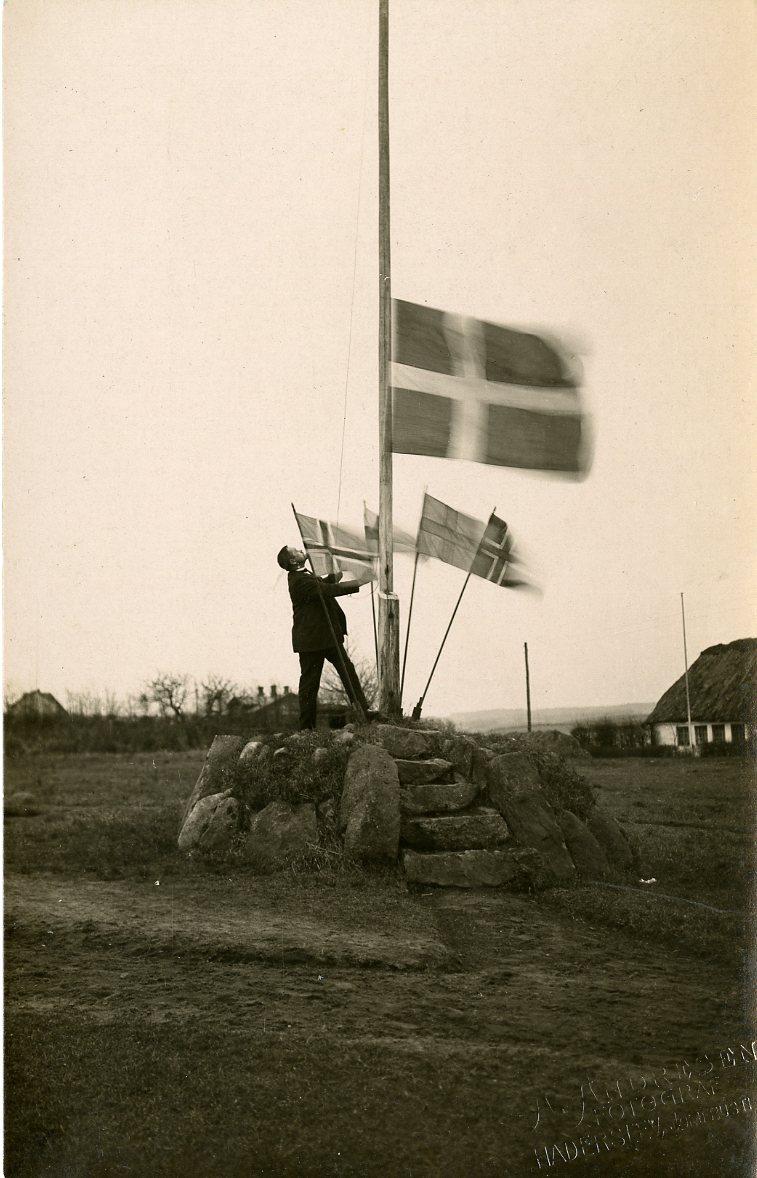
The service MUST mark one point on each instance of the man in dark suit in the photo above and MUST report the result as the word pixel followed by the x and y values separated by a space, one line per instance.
pixel 318 630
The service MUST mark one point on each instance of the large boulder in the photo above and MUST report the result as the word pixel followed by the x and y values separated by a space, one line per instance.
pixel 418 772
pixel 211 824
pixel 218 771
pixel 551 740
pixel 476 829
pixel 609 834
pixel 279 833
pixel 437 797
pixel 407 743
pixel 250 752
pixel 460 750
pixel 480 764
pixel 587 854
pixel 369 811
pixel 513 787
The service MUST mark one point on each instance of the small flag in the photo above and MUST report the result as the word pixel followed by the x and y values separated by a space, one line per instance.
pixel 463 388
pixel 448 534
pixel 333 548
pixel 495 559
pixel 401 541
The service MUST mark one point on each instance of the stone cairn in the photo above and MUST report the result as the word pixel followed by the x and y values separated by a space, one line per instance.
pixel 453 813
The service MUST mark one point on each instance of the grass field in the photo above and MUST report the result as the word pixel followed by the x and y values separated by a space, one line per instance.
pixel 173 1017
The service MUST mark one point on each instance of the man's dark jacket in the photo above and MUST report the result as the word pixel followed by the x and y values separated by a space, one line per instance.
pixel 310 627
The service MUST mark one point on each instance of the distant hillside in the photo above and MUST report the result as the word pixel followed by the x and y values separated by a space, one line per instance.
pixel 565 718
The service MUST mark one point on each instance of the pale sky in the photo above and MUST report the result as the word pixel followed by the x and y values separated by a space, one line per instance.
pixel 191 300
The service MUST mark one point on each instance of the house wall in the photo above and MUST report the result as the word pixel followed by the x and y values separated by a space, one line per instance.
pixel 666 734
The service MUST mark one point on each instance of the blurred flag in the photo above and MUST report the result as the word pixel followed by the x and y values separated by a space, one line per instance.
pixel 401 541
pixel 448 534
pixel 332 548
pixel 495 560
pixel 463 388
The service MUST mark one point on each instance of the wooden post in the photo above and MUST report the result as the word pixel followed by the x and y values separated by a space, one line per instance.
pixel 528 688
pixel 686 676
pixel 389 623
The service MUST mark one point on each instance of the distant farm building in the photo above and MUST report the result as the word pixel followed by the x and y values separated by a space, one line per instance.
pixel 37 703
pixel 279 710
pixel 722 686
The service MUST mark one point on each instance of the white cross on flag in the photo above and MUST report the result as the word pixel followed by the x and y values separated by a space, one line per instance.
pixel 463 388
pixel 495 559
pixel 332 548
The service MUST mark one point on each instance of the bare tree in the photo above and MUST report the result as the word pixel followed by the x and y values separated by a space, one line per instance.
pixel 136 705
pixel 332 690
pixel 83 703
pixel 168 692
pixel 111 704
pixel 216 693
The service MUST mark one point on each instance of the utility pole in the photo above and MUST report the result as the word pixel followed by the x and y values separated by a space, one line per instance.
pixel 389 618
pixel 686 676
pixel 528 688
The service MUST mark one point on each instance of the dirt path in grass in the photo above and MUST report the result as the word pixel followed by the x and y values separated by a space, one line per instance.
pixel 496 990
pixel 456 971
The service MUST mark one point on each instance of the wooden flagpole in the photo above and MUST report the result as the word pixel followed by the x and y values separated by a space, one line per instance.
pixel 419 706
pixel 686 676
pixel 389 618
pixel 375 631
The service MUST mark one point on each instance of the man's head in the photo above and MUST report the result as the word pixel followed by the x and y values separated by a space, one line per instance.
pixel 290 558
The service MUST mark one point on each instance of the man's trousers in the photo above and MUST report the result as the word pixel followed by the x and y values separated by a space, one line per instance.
pixel 311 666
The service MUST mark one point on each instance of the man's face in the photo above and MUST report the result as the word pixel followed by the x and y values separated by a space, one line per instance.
pixel 296 557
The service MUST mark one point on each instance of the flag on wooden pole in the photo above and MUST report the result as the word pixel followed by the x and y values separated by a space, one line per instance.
pixel 495 560
pixel 464 388
pixel 333 548
pixel 448 535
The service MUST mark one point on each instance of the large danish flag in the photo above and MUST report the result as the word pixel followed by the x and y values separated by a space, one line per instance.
pixel 464 388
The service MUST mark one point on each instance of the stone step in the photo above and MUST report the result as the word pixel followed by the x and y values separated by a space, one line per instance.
pixel 437 797
pixel 476 828
pixel 407 743
pixel 466 869
pixel 421 772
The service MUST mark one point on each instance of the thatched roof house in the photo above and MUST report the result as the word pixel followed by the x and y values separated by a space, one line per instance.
pixel 723 695
pixel 37 703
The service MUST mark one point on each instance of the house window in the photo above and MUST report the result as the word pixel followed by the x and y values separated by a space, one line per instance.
pixel 718 733
pixel 700 734
pixel 738 733
pixel 682 736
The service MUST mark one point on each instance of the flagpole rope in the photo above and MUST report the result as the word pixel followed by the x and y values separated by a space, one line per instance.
pixel 354 282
